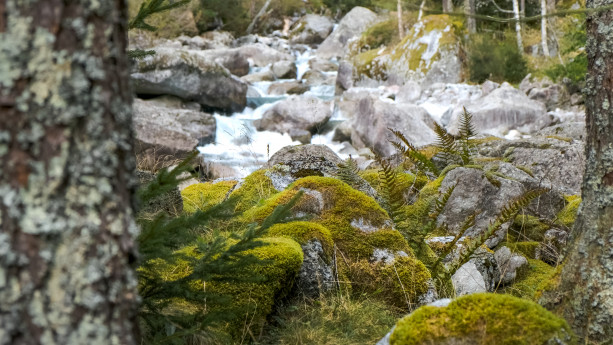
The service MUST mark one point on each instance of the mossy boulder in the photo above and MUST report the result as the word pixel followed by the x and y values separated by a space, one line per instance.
pixel 529 279
pixel 255 187
pixel 482 319
pixel 316 274
pixel 358 224
pixel 428 52
pixel 265 281
pixel 203 196
pixel 283 258
pixel 363 235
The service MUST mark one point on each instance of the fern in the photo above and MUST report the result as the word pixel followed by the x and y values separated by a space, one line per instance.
pixel 508 212
pixel 392 191
pixel 423 164
pixel 440 203
pixel 348 172
pixel 446 144
pixel 467 132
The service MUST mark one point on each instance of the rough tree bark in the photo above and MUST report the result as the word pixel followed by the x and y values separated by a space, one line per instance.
pixel 584 294
pixel 66 174
pixel 516 16
pixel 544 28
pixel 471 21
pixel 447 6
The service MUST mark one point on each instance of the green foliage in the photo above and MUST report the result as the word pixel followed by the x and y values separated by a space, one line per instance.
pixel 202 196
pixel 332 320
pixel 151 7
pixel 485 319
pixel 495 59
pixel 179 255
pixel 572 45
pixel 529 279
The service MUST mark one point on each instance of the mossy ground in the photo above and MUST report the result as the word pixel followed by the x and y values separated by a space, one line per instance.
pixel 529 279
pixel 302 232
pixel 481 319
pixel 332 320
pixel 257 186
pixel 202 196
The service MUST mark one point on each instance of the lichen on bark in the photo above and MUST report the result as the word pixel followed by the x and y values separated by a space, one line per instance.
pixel 66 181
pixel 584 295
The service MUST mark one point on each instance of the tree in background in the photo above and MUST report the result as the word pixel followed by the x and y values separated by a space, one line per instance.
pixel 584 294
pixel 66 180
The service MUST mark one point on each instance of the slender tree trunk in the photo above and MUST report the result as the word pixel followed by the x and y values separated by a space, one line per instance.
pixel 66 174
pixel 469 10
pixel 400 25
pixel 584 295
pixel 257 16
pixel 447 6
pixel 544 28
pixel 421 10
pixel 520 45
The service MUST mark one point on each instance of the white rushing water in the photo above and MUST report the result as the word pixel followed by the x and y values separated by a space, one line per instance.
pixel 239 145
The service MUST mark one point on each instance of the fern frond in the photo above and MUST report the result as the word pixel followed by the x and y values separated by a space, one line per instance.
pixel 391 191
pixel 348 172
pixel 139 53
pixel 467 128
pixel 423 164
pixel 469 222
pixel 441 202
pixel 447 146
pixel 507 213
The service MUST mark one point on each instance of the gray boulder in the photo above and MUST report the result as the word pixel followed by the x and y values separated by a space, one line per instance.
pixel 352 25
pixel 261 55
pixel 409 92
pixel 567 130
pixel 473 191
pixel 373 118
pixel 508 264
pixel 231 59
pixel 163 127
pixel 217 39
pixel 295 112
pixel 311 29
pixel 558 160
pixel 306 160
pixel 501 110
pixel 284 69
pixel 287 88
pixel 323 65
pixel 551 249
pixel 190 76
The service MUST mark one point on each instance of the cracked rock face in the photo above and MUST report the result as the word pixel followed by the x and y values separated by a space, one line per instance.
pixel 315 275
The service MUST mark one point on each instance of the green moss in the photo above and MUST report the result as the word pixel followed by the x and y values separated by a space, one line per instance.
pixel 282 259
pixel 568 214
pixel 406 180
pixel 303 232
pixel 254 188
pixel 398 283
pixel 529 279
pixel 526 227
pixel 380 34
pixel 367 65
pixel 527 249
pixel 202 196
pixel 481 319
pixel 341 209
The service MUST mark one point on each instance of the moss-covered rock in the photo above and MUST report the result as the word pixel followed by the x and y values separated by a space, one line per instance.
pixel 482 319
pixel 358 224
pixel 529 279
pixel 428 51
pixel 255 187
pixel 283 258
pixel 202 196
pixel 568 214
pixel 303 232
pixel 528 228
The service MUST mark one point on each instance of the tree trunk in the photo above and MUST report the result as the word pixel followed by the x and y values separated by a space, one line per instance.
pixel 584 295
pixel 544 28
pixel 66 174
pixel 447 6
pixel 469 10
pixel 400 25
pixel 520 45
